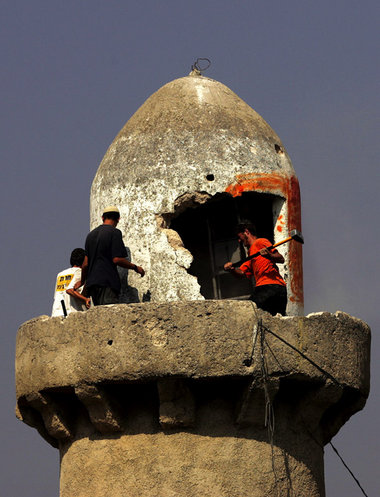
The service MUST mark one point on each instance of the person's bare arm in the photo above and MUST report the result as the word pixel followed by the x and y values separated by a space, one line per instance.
pixel 238 273
pixel 79 296
pixel 273 256
pixel 122 262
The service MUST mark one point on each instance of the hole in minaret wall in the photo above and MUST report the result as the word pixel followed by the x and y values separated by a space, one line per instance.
pixel 207 230
pixel 278 149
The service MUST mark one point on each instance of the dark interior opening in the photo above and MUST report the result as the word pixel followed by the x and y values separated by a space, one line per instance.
pixel 208 232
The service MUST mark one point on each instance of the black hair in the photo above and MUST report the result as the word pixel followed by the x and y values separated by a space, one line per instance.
pixel 246 225
pixel 115 216
pixel 77 257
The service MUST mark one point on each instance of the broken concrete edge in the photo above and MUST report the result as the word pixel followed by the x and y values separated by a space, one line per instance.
pixel 180 413
pixel 25 413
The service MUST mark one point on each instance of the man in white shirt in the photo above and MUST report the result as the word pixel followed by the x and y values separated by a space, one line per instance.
pixel 72 299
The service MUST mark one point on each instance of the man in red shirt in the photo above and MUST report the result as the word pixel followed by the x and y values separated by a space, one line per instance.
pixel 269 292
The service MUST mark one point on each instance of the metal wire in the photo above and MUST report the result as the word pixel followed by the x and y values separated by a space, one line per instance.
pixel 197 64
pixel 323 371
pixel 269 414
pixel 348 469
pixel 269 419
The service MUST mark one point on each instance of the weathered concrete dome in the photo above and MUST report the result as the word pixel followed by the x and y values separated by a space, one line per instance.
pixel 190 163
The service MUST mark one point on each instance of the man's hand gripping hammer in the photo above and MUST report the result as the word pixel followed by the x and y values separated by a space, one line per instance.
pixel 294 235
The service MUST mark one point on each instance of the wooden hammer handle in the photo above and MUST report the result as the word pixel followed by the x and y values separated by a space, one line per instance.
pixel 239 263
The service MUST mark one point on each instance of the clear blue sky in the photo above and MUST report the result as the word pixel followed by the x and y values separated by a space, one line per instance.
pixel 73 73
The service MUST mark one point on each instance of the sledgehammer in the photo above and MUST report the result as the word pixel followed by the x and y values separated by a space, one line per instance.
pixel 294 235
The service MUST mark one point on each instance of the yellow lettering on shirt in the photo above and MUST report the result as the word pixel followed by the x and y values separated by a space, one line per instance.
pixel 63 282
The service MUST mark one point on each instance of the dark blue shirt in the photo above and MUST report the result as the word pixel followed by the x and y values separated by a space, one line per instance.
pixel 103 244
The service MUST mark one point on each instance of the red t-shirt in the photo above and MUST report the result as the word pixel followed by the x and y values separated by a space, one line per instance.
pixel 262 269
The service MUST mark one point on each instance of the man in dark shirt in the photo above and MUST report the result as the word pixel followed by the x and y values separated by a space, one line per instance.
pixel 105 251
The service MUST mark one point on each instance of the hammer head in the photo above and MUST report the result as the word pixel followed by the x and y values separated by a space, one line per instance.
pixel 296 236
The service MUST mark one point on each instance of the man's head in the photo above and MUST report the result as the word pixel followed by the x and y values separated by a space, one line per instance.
pixel 77 257
pixel 246 233
pixel 112 214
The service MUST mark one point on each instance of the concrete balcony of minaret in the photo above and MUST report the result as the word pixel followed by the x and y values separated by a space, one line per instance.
pixel 191 376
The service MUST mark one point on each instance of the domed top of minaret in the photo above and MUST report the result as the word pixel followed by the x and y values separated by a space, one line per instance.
pixel 193 161
pixel 196 122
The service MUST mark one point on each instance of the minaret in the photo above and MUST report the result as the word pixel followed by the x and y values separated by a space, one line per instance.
pixel 192 391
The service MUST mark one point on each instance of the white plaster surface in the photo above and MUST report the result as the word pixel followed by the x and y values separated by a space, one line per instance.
pixel 191 127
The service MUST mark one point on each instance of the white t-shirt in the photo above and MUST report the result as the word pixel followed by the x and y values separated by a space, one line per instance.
pixel 65 281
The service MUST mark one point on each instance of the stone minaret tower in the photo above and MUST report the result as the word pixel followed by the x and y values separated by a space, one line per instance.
pixel 191 391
